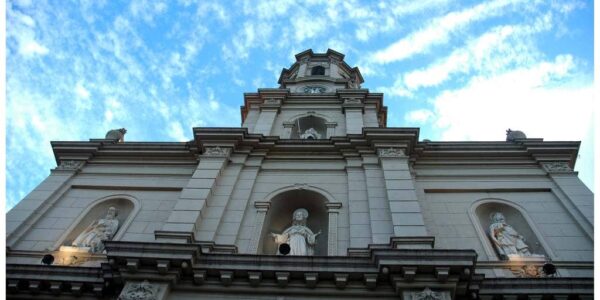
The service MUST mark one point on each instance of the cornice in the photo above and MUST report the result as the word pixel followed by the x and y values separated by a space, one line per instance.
pixel 529 151
pixel 129 152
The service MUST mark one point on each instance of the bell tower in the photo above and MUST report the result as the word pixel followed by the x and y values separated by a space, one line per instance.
pixel 319 96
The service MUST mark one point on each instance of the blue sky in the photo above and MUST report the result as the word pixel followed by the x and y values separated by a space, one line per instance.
pixel 460 70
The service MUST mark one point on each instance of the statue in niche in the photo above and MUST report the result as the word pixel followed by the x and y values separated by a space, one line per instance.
pixel 310 133
pixel 506 239
pixel 98 231
pixel 299 237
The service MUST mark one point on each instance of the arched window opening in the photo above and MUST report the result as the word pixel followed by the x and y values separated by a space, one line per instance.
pixel 508 232
pixel 285 212
pixel 309 128
pixel 318 70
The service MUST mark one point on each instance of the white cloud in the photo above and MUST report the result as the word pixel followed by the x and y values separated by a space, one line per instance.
pixel 81 91
pixel 22 32
pixel 214 105
pixel 419 116
pixel 267 9
pixel 491 52
pixel 526 99
pixel 306 26
pixel 175 131
pixel 147 10
pixel 438 31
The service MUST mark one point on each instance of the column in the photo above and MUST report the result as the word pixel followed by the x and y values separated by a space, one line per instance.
pixel 287 130
pixel 407 218
pixel 330 128
pixel 303 65
pixel 261 213
pixel 187 214
pixel 333 210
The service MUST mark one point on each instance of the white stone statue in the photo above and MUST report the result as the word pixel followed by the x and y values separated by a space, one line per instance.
pixel 301 239
pixel 310 133
pixel 506 239
pixel 98 231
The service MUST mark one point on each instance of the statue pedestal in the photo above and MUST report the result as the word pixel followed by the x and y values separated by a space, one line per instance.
pixel 534 258
pixel 74 249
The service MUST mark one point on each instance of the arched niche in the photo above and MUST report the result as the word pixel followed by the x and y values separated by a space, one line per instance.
pixel 279 217
pixel 302 128
pixel 516 217
pixel 125 205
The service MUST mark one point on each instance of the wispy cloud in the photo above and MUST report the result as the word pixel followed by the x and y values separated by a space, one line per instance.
pixel 23 34
pixel 438 31
pixel 494 51
pixel 419 116
pixel 486 106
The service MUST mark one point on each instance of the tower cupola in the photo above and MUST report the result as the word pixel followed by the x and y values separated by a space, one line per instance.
pixel 315 73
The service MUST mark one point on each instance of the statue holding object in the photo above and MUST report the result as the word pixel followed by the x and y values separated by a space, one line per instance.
pixel 299 237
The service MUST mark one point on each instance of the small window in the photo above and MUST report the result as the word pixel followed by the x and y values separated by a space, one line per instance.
pixel 318 70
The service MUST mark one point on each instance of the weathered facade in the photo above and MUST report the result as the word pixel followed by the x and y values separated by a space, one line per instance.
pixel 389 216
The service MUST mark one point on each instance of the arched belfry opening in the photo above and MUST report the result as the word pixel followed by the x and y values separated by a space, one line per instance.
pixel 317 70
pixel 309 128
pixel 280 217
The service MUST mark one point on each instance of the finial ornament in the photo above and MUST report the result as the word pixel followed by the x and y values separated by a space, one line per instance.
pixel 116 134
pixel 513 135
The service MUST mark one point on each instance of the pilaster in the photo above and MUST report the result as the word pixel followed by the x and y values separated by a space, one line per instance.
pixel 404 206
pixel 261 213
pixel 187 213
pixel 572 192
pixel 216 214
pixel 33 206
pixel 353 109
pixel 333 209
pixel 360 221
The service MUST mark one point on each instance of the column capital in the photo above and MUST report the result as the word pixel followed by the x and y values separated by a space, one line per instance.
pixel 262 205
pixel 333 207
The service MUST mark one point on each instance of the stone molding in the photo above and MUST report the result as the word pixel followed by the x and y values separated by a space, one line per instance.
pixel 390 152
pixel 427 294
pixel 557 167
pixel 70 165
pixel 352 101
pixel 216 152
pixel 441 270
pixel 140 291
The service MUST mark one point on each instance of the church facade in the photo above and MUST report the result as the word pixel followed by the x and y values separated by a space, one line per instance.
pixel 313 197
